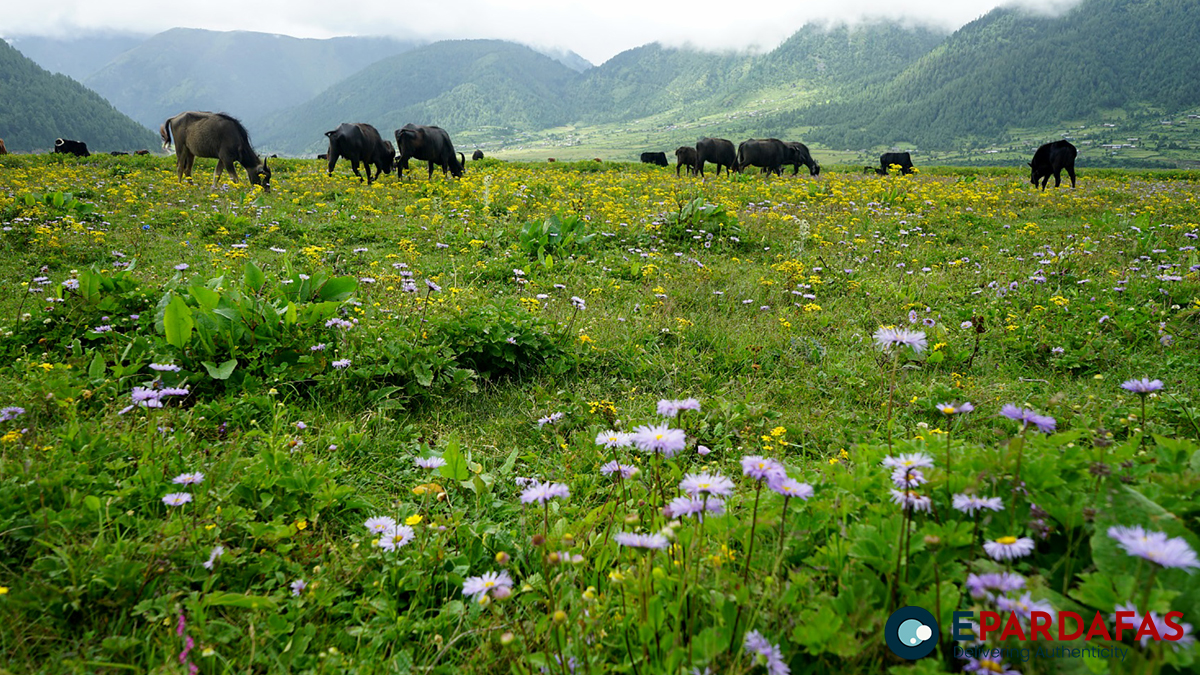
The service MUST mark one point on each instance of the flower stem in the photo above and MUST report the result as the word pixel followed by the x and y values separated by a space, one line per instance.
pixel 750 545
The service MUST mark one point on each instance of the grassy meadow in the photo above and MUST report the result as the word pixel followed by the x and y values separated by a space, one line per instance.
pixel 591 418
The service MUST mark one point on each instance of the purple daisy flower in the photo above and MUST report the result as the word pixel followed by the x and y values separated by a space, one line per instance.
pixel 905 478
pixel 991 585
pixel 396 537
pixel 1154 546
pixel 911 500
pixel 298 587
pixel 613 439
pixel 216 552
pixel 791 488
pixel 955 408
pixel 659 439
pixel 432 286
pixel 696 484
pixel 988 666
pixel 1142 387
pixel 429 462
pixel 12 412
pixel 888 338
pixel 176 499
pixel 380 524
pixel 684 506
pixel 909 460
pixel 649 541
pixel 762 468
pixel 970 504
pixel 1008 548
pixel 544 492
pixel 188 479
pixel 487 583
pixel 615 467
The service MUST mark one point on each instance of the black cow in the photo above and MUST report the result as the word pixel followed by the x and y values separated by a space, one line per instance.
pixel 1052 158
pixel 430 144
pixel 685 156
pixel 797 154
pixel 77 148
pixel 657 158
pixel 359 142
pixel 900 159
pixel 768 153
pixel 718 151
pixel 116 153
pixel 476 156
pixel 141 152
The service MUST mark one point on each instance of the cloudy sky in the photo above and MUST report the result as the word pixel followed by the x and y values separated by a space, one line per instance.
pixel 597 30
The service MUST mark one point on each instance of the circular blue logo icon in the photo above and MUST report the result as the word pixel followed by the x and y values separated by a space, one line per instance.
pixel 911 633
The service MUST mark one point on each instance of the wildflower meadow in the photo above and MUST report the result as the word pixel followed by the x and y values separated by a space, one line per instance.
pixel 590 417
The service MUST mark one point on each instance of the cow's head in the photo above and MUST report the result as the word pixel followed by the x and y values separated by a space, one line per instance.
pixel 389 156
pixel 261 175
pixel 1033 174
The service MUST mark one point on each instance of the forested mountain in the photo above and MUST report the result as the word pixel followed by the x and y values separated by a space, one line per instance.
pixel 249 75
pixel 460 84
pixel 37 106
pixel 1012 69
pixel 77 57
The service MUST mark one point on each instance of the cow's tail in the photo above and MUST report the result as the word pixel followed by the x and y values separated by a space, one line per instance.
pixel 739 162
pixel 165 132
pixel 462 163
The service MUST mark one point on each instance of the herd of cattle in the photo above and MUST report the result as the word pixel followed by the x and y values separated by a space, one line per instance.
pixel 222 137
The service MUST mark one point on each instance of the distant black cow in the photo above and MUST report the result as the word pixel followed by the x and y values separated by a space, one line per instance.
pixel 1052 158
pixel 658 158
pixel 685 156
pixel 430 144
pixel 900 159
pixel 141 152
pixel 77 148
pixel 115 153
pixel 718 151
pixel 323 155
pixel 768 153
pixel 797 154
pixel 476 156
pixel 359 142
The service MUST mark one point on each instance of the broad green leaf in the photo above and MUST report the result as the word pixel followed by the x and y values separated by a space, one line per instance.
pixel 205 297
pixel 338 288
pixel 423 373
pixel 177 322
pixel 455 467
pixel 221 372
pixel 92 502
pixel 96 369
pixel 254 276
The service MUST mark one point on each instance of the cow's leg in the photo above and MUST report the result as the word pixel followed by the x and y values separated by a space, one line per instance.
pixel 700 168
pixel 179 162
pixel 430 169
pixel 189 161
pixel 354 168
pixel 333 158
pixel 1057 178
pixel 1071 173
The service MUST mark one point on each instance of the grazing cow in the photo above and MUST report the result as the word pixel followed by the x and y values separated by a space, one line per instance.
pixel 359 142
pixel 3 150
pixel 685 156
pixel 551 159
pixel 797 154
pixel 718 151
pixel 323 156
pixel 115 153
pixel 889 159
pixel 141 152
pixel 768 153
pixel 430 144
pixel 476 156
pixel 77 148
pixel 1051 159
pixel 656 158
pixel 218 136
pixel 597 159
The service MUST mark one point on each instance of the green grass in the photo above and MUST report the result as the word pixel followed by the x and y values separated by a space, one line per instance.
pixel 98 570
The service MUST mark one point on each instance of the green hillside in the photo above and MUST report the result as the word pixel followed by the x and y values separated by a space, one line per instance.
pixel 1014 70
pixel 37 106
pixel 247 74
pixel 462 84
